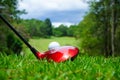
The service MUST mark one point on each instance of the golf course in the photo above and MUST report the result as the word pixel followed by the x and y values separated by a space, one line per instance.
pixel 59 39
pixel 27 67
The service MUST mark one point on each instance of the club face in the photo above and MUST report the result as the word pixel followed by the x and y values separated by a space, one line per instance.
pixel 61 54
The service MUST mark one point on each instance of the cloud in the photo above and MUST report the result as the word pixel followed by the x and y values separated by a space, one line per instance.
pixel 45 5
pixel 64 16
pixel 69 11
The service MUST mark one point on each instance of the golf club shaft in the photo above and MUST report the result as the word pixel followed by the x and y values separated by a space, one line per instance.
pixel 10 26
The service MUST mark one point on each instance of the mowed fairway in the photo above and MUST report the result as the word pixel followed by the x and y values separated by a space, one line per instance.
pixel 42 44
pixel 27 67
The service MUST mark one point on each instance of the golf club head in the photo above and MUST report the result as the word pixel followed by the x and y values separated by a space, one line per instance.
pixel 60 54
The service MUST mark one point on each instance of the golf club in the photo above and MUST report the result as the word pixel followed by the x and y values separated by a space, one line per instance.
pixel 58 54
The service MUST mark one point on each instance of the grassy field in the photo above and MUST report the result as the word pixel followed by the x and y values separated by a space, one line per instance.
pixel 42 44
pixel 27 67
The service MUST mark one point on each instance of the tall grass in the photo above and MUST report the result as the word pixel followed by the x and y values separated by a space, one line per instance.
pixel 27 67
pixel 82 68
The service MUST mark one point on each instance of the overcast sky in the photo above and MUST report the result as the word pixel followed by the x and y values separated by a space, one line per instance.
pixel 59 11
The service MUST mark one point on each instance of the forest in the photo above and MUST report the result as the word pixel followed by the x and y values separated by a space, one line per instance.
pixel 97 34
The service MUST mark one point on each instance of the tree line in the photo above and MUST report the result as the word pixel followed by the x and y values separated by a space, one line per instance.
pixel 99 31
pixel 45 29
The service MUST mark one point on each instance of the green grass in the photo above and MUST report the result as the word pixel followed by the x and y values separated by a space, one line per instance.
pixel 42 44
pixel 27 67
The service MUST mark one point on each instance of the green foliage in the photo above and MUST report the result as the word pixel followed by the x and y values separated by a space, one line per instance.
pixel 82 68
pixel 46 28
pixel 98 31
pixel 10 8
pixel 64 30
pixel 8 42
pixel 38 28
pixel 27 67
pixel 32 27
pixel 60 31
pixel 88 34
pixel 71 30
pixel 22 30
pixel 14 45
pixel 3 43
pixel 57 32
pixel 117 41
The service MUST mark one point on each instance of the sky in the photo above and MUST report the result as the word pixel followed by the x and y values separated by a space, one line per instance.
pixel 67 12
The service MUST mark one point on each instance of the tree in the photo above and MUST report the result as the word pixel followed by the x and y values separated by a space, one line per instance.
pixel 110 12
pixel 8 8
pixel 114 23
pixel 88 35
pixel 60 31
pixel 38 28
pixel 46 28
pixel 71 30
pixel 103 26
pixel 32 27
pixel 57 32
